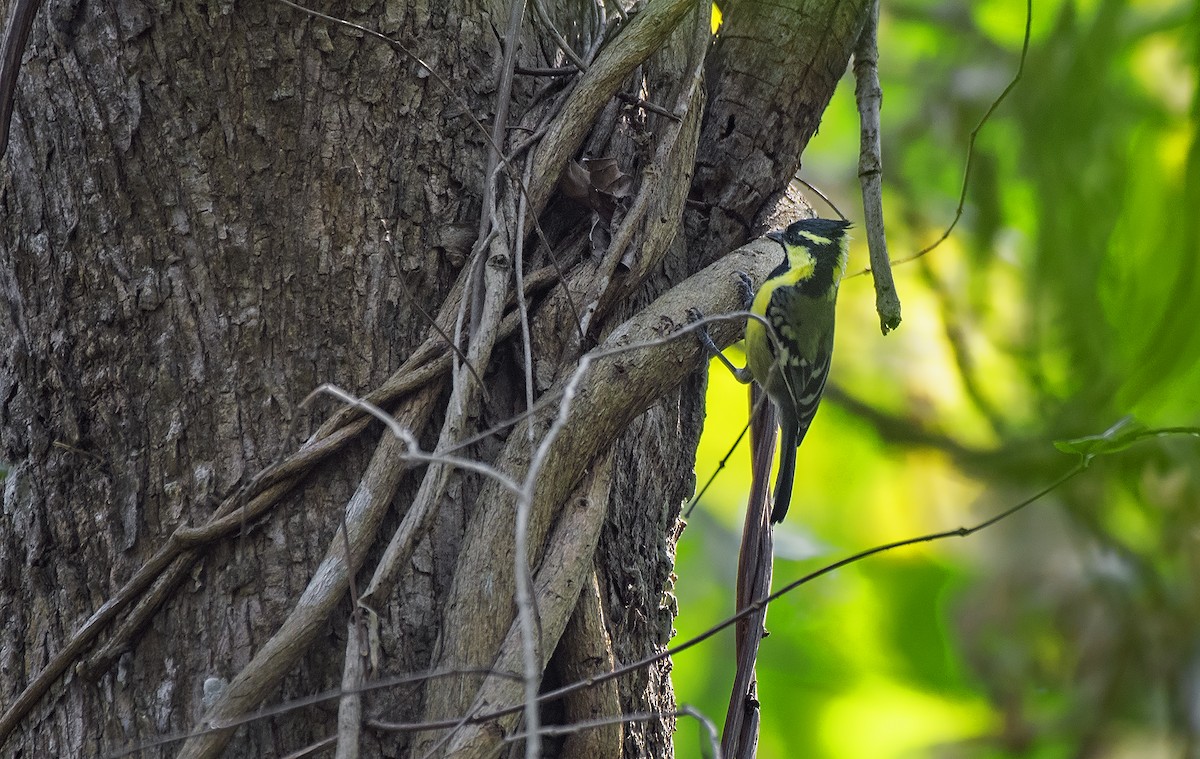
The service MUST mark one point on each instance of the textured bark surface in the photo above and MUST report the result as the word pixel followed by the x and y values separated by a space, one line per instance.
pixel 197 207
pixel 211 209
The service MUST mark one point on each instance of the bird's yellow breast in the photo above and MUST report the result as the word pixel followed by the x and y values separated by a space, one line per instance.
pixel 759 352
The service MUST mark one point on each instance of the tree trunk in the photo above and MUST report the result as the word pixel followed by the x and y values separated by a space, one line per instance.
pixel 211 209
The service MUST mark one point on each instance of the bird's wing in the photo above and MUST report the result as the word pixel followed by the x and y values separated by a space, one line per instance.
pixel 804 365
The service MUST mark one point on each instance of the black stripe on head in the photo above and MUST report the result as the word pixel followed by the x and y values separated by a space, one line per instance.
pixel 804 231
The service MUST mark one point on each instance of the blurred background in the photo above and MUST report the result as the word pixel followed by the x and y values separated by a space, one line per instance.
pixel 1066 298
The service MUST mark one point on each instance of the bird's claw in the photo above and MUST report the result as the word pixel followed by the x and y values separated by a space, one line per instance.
pixel 694 315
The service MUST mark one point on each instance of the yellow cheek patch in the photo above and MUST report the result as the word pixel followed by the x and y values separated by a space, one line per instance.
pixel 800 263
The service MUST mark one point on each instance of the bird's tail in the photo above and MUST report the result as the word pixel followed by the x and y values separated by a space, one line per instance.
pixel 787 470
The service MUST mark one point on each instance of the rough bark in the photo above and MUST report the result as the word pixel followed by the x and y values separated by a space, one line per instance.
pixel 211 209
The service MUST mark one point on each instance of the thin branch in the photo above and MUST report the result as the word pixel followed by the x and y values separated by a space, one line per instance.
pixel 488 221
pixel 349 719
pixel 869 97
pixel 382 683
pixel 313 748
pixel 592 724
pixel 547 71
pixel 526 611
pixel 522 306
pixel 817 191
pixel 435 750
pixel 724 460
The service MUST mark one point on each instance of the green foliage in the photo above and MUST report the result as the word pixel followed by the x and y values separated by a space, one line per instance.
pixel 1065 299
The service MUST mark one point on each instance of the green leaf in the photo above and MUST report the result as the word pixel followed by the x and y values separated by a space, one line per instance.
pixel 1118 437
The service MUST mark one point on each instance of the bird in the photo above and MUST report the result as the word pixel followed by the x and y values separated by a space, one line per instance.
pixel 790 358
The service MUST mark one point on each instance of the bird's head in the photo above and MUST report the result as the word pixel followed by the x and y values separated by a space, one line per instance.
pixel 819 246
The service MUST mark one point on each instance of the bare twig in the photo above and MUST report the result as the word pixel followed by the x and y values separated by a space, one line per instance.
pixel 522 306
pixel 962 195
pixel 817 191
pixel 870 169
pixel 687 513
pixel 526 611
pixel 547 71
pixel 405 435
pixel 382 683
pixel 488 222
pixel 313 748
pixel 350 715
pixel 619 719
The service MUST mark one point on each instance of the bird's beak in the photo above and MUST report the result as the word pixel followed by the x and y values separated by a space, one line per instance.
pixel 777 236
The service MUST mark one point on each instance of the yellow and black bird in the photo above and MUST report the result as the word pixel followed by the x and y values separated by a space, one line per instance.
pixel 798 301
